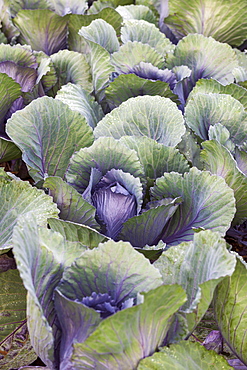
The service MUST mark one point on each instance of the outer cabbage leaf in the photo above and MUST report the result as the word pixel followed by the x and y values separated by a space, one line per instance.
pixel 62 7
pixel 24 76
pixel 205 110
pixel 8 151
pixel 147 228
pixel 99 5
pixel 152 116
pixel 17 198
pixel 130 85
pixel 212 86
pixel 41 270
pixel 114 268
pixel 148 71
pixel 78 322
pixel 230 310
pixel 15 346
pixel 42 29
pixel 47 147
pixel 101 68
pixel 21 55
pixel 224 20
pixel 72 67
pixel 241 159
pixel 76 232
pixel 9 31
pixel 136 12
pixel 16 6
pixel 16 349
pixel 9 92
pixel 206 57
pixel 185 355
pixel 142 329
pixel 208 202
pixel 80 100
pixel 70 203
pixel 190 148
pixel 47 77
pixel 132 53
pixel 146 33
pixel 104 155
pixel 102 33
pixel 218 160
pixel 156 158
pixel 198 266
pixel 76 21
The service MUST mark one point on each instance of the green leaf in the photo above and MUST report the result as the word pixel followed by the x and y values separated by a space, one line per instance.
pixel 76 232
pixel 18 198
pixel 205 110
pixel 12 303
pixel 76 21
pixel 16 349
pixel 146 33
pixel 212 86
pixel 101 33
pixel 104 155
pixel 9 92
pixel 101 68
pixel 184 356
pixel 230 304
pixel 136 12
pixel 156 158
pixel 198 266
pixel 80 100
pixel 62 7
pixel 218 160
pixel 105 349
pixel 130 85
pixel 41 270
pixel 102 4
pixel 72 67
pixel 224 20
pixel 132 53
pixel 8 151
pixel 206 57
pixel 47 148
pixel 208 202
pixel 101 267
pixel 42 29
pixel 70 203
pixel 20 55
pixel 152 116
pixel 46 71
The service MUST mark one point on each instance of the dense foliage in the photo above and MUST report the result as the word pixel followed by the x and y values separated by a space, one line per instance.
pixel 123 149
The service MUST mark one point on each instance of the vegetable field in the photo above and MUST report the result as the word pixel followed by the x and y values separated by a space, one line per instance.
pixel 123 184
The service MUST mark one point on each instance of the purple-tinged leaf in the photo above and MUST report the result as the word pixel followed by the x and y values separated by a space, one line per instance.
pixel 24 76
pixel 208 202
pixel 77 323
pixel 218 160
pixel 48 132
pixel 147 228
pixel 104 155
pixel 230 309
pixel 43 29
pixel 123 339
